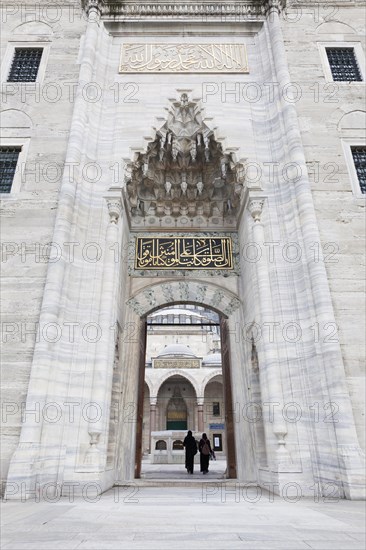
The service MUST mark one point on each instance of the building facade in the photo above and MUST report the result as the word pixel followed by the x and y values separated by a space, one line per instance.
pixel 156 154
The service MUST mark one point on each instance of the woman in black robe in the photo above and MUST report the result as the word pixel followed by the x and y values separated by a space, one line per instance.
pixel 205 450
pixel 191 450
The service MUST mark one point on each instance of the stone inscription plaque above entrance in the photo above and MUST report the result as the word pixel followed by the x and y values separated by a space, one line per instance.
pixel 183 253
pixel 183 58
pixel 206 253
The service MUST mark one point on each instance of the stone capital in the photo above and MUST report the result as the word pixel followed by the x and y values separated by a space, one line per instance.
pixel 255 207
pixel 93 8
pixel 275 5
pixel 114 209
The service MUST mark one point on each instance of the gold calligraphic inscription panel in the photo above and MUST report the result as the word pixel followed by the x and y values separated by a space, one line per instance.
pixel 184 253
pixel 183 58
pixel 176 415
pixel 176 363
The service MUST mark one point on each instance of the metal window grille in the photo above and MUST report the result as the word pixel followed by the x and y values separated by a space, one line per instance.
pixel 359 158
pixel 24 67
pixel 8 163
pixel 343 64
pixel 215 408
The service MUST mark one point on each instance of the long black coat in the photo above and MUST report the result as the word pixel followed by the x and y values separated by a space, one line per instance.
pixel 204 459
pixel 190 445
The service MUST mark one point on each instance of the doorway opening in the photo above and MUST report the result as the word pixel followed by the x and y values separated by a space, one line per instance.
pixel 184 385
pixel 176 412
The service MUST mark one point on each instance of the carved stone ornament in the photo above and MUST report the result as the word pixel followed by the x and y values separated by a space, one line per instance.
pixel 255 207
pixel 238 10
pixel 184 172
pixel 277 5
pixel 180 291
pixel 232 306
pixel 167 292
pixel 93 7
pixel 136 306
pixel 114 210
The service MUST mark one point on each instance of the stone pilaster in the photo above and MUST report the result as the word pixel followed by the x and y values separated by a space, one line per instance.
pixel 280 460
pixel 103 367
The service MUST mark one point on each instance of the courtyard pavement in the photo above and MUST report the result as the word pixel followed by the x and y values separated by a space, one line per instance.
pixel 206 515
pixel 177 471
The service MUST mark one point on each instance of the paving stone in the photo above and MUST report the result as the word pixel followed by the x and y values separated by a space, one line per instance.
pixel 155 523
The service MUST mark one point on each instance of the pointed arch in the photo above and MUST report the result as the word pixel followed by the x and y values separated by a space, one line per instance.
pixel 208 378
pixel 175 372
pixel 158 295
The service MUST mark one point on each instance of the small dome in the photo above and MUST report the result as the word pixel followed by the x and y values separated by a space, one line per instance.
pixel 177 350
pixel 212 359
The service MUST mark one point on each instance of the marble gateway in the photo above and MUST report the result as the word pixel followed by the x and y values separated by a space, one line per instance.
pixel 156 154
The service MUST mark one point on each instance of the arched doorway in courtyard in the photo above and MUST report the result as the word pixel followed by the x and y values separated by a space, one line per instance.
pixel 184 387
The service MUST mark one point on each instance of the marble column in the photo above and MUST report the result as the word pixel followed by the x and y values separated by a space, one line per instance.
pixel 152 415
pixel 200 418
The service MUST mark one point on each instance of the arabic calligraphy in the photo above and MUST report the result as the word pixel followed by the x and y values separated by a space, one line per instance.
pixel 183 253
pixel 183 58
pixel 176 363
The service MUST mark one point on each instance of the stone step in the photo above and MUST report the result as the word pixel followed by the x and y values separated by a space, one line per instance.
pixel 198 481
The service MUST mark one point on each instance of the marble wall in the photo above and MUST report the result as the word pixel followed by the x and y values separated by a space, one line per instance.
pixel 36 116
pixel 285 288
pixel 332 115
